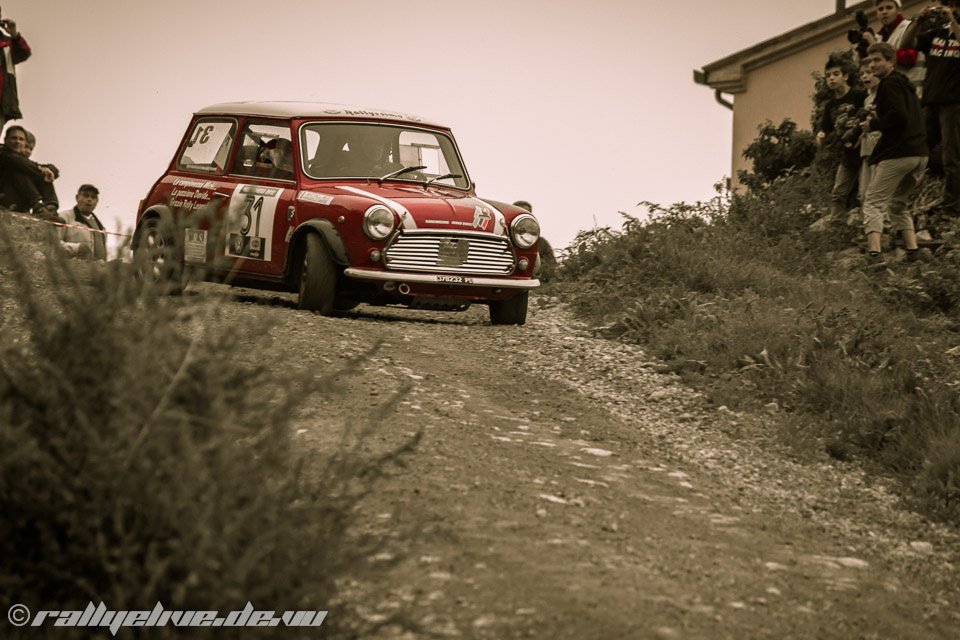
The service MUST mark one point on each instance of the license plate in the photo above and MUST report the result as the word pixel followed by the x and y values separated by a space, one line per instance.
pixel 454 280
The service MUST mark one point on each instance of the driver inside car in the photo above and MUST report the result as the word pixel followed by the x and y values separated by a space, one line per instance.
pixel 280 155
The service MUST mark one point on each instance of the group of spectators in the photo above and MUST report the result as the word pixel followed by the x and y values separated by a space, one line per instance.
pixel 909 104
pixel 28 186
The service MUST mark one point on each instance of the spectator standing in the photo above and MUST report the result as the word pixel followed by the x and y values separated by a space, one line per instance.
pixel 13 50
pixel 893 29
pixel 83 243
pixel 868 139
pixel 23 182
pixel 940 41
pixel 900 155
pixel 839 118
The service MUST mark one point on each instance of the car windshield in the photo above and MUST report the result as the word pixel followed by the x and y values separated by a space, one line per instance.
pixel 362 150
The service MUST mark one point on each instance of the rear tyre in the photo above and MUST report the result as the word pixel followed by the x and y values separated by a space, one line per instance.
pixel 157 258
pixel 510 311
pixel 318 277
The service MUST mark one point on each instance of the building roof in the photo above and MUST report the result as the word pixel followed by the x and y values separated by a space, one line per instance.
pixel 280 109
pixel 729 74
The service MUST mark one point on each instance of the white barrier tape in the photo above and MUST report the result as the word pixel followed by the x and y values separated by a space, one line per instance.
pixel 68 226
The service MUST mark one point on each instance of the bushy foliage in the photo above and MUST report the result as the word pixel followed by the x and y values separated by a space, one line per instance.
pixel 738 285
pixel 777 151
pixel 144 459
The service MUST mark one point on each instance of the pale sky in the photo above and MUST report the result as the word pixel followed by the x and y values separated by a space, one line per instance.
pixel 582 108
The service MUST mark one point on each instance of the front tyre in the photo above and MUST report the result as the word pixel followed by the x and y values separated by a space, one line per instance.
pixel 510 311
pixel 157 258
pixel 318 277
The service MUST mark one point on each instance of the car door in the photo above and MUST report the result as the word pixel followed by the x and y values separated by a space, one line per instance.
pixel 260 202
pixel 197 190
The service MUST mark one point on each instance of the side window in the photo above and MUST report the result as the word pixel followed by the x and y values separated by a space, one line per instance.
pixel 266 151
pixel 208 147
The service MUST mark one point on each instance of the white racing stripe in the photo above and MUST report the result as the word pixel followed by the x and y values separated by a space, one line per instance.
pixel 405 218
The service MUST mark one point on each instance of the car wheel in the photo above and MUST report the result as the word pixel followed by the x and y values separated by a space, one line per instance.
pixel 510 311
pixel 318 277
pixel 156 257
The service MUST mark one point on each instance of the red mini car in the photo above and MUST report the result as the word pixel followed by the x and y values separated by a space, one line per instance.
pixel 343 205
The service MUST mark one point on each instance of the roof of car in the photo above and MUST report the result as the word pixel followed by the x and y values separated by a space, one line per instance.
pixel 310 110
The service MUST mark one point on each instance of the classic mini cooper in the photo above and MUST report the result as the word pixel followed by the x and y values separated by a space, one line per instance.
pixel 340 204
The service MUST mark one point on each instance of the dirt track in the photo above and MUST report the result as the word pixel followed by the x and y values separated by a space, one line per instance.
pixel 563 489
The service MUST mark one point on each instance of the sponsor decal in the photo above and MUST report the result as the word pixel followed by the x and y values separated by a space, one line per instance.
pixel 190 195
pixel 195 246
pixel 499 221
pixel 316 198
pixel 481 218
pixel 370 114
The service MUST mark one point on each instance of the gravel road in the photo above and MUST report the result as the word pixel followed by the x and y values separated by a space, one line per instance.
pixel 565 489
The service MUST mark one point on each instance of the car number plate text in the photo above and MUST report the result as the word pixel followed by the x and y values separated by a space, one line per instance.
pixel 454 280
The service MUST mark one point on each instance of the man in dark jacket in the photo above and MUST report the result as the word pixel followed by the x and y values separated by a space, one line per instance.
pixel 899 157
pixel 941 91
pixel 13 50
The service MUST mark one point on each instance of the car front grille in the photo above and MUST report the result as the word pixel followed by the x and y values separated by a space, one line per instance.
pixel 448 253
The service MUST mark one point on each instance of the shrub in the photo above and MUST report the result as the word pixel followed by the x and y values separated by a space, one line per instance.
pixel 777 151
pixel 144 459
pixel 741 288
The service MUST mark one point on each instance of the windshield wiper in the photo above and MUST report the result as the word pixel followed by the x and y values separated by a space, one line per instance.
pixel 443 177
pixel 400 172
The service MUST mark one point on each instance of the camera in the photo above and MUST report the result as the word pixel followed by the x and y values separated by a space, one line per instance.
pixel 852 136
pixel 855 36
pixel 935 18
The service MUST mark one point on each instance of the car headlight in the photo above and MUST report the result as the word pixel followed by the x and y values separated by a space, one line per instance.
pixel 525 231
pixel 378 222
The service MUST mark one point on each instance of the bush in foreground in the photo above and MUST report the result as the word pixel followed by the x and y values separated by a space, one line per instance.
pixel 141 460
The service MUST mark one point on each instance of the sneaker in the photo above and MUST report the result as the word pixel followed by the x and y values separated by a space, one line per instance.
pixel 874 261
pixel 919 255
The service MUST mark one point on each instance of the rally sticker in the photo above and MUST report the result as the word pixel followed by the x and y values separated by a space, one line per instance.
pixel 250 221
pixel 195 246
pixel 318 198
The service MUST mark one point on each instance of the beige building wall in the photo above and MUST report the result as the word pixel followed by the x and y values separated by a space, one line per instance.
pixel 777 90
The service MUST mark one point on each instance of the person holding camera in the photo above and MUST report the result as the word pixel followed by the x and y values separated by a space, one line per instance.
pixel 936 32
pixel 839 118
pixel 900 155
pixel 13 50
pixel 893 28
